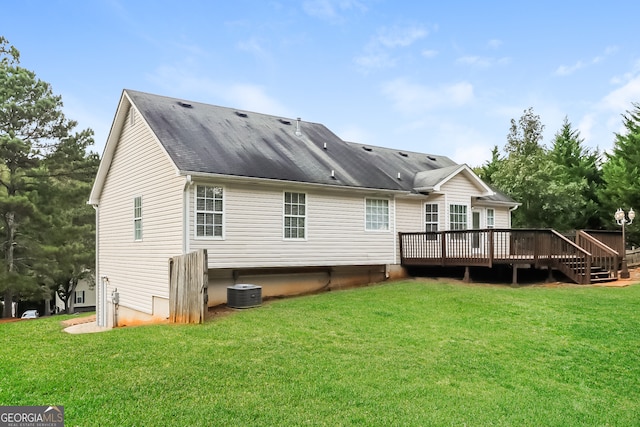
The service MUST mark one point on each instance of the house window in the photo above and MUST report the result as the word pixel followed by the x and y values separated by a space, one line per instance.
pixel 377 215
pixel 79 299
pixel 137 218
pixel 458 219
pixel 209 211
pixel 431 219
pixel 295 215
pixel 491 218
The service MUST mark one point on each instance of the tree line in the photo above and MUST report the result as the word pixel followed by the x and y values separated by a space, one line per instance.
pixel 46 172
pixel 567 186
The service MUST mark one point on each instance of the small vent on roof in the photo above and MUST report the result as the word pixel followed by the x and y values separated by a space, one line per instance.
pixel 365 148
pixel 185 104
pixel 285 122
pixel 399 177
pixel 431 158
pixel 324 145
pixel 298 132
pixel 241 114
pixel 403 154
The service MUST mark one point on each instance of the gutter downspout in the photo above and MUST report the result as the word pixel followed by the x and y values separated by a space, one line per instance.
pixel 185 207
pixel 101 306
pixel 511 210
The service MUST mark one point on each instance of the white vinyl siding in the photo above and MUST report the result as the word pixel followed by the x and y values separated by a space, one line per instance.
pixel 137 218
pixel 209 211
pixel 140 166
pixel 295 215
pixel 377 215
pixel 254 230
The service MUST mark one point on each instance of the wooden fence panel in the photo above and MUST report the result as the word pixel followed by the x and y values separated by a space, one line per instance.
pixel 188 283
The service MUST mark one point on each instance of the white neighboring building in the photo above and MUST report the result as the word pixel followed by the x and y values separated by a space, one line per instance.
pixel 84 298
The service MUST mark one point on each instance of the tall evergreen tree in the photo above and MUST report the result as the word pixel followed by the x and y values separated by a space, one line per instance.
pixel 68 240
pixel 529 175
pixel 621 173
pixel 32 124
pixel 578 168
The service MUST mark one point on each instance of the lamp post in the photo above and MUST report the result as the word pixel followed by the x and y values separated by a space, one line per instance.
pixel 621 219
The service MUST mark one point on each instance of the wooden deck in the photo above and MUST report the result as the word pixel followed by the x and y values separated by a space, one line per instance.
pixel 584 260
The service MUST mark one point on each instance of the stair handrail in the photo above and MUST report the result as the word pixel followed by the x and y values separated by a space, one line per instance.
pixel 610 259
pixel 566 265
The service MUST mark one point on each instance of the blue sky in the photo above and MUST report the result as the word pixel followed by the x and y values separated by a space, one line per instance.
pixel 436 77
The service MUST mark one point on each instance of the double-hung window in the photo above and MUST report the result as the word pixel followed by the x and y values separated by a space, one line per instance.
pixel 209 211
pixel 295 215
pixel 377 215
pixel 137 218
pixel 458 219
pixel 79 297
pixel 431 219
pixel 491 218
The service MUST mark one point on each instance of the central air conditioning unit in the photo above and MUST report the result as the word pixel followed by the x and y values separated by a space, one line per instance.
pixel 244 296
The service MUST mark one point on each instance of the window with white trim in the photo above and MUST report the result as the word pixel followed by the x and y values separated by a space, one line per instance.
pixel 458 219
pixel 209 211
pixel 137 218
pixel 431 219
pixel 79 297
pixel 491 218
pixel 377 215
pixel 295 215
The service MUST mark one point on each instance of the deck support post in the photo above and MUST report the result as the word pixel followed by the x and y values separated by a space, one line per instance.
pixel 467 275
pixel 514 277
pixel 550 275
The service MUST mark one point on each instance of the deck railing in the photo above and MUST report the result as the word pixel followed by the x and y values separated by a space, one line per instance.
pixel 602 255
pixel 490 246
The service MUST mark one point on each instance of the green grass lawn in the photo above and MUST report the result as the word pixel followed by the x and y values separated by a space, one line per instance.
pixel 410 353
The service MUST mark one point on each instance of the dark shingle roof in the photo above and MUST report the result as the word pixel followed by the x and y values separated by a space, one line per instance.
pixel 203 138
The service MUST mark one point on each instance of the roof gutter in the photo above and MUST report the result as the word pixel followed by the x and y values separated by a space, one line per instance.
pixel 249 179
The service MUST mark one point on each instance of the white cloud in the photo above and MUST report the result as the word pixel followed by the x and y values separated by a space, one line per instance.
pixel 429 53
pixel 331 10
pixel 375 60
pixel 481 61
pixel 400 36
pixel 377 52
pixel 620 99
pixel 415 98
pixel 354 133
pixel 494 44
pixel 175 81
pixel 565 70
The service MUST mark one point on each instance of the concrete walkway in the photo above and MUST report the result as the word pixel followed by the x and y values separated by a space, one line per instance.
pixel 83 325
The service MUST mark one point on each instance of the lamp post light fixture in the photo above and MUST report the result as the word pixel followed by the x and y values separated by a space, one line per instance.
pixel 621 219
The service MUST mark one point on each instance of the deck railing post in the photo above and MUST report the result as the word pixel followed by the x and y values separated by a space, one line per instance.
pixel 443 245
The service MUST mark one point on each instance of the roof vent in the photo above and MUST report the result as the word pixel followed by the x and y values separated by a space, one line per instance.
pixel 285 122
pixel 399 177
pixel 324 145
pixel 185 104
pixel 333 174
pixel 298 133
pixel 431 158
pixel 365 148
pixel 241 114
pixel 403 154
